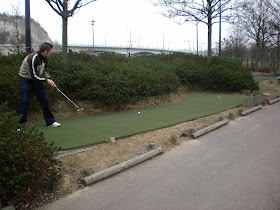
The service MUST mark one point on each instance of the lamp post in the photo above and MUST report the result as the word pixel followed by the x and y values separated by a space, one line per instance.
pixel 220 30
pixel 106 39
pixel 129 42
pixel 163 41
pixel 201 45
pixel 197 38
pixel 27 27
pixel 92 23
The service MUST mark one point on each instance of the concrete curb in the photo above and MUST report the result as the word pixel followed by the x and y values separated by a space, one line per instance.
pixel 209 128
pixel 248 111
pixel 273 101
pixel 120 167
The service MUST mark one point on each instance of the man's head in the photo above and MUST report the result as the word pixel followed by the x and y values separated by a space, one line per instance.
pixel 46 49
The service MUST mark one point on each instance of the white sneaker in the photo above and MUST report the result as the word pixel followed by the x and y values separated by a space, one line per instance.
pixel 55 124
pixel 20 130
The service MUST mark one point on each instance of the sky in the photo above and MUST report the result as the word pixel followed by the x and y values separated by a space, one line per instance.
pixel 117 23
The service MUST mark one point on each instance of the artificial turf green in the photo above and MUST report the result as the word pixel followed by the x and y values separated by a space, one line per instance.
pixel 84 131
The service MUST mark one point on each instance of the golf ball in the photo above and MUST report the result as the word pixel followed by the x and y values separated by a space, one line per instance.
pixel 138 112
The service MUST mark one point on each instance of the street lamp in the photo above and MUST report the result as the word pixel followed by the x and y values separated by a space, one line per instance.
pixel 186 46
pixel 197 38
pixel 106 39
pixel 92 23
pixel 130 42
pixel 163 41
pixel 201 45
pixel 189 46
pixel 220 30
pixel 27 27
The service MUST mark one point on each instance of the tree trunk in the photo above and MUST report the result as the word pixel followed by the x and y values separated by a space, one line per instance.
pixel 278 51
pixel 209 49
pixel 64 39
pixel 262 52
pixel 257 56
pixel 262 55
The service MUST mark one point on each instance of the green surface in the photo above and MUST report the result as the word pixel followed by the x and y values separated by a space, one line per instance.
pixel 91 130
pixel 259 78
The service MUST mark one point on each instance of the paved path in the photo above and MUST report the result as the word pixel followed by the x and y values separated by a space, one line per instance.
pixel 234 167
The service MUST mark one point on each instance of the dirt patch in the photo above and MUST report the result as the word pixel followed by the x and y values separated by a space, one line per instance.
pixel 106 155
pixel 273 84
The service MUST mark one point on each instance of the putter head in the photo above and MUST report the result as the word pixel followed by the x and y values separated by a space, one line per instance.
pixel 80 109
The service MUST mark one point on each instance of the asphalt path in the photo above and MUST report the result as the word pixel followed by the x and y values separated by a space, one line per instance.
pixel 234 167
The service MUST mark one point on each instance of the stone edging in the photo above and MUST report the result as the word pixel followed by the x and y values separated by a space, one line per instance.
pixel 209 128
pixel 120 167
pixel 248 111
pixel 273 101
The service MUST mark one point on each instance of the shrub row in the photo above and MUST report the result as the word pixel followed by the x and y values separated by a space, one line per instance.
pixel 113 80
pixel 110 79
pixel 220 75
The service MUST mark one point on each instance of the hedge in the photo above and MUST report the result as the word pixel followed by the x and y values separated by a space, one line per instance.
pixel 113 80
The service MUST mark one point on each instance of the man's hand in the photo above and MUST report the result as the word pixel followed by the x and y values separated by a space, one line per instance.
pixel 51 83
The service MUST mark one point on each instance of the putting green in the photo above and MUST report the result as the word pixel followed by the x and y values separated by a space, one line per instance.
pixel 95 129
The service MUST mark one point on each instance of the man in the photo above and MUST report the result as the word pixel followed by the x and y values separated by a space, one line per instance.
pixel 33 73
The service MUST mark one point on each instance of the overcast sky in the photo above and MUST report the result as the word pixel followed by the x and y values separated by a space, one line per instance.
pixel 117 22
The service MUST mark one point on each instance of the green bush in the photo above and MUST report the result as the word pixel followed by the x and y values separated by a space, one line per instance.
pixel 228 75
pixel 113 80
pixel 9 90
pixel 27 165
pixel 220 75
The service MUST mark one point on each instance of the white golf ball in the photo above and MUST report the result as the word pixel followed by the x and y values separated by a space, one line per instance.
pixel 138 112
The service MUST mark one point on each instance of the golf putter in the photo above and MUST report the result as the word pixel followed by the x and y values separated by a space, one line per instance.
pixel 79 109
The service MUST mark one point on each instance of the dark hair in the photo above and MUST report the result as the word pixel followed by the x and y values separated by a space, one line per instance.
pixel 45 46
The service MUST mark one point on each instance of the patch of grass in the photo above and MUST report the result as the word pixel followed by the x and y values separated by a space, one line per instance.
pixel 95 129
pixel 260 78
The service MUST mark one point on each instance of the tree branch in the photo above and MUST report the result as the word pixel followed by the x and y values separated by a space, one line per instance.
pixel 58 11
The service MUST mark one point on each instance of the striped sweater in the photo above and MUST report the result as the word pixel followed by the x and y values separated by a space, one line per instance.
pixel 34 66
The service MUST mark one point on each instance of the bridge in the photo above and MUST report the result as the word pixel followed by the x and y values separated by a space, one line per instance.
pixel 6 49
pixel 127 51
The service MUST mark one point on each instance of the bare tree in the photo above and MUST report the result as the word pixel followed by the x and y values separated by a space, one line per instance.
pixel 62 8
pixel 235 46
pixel 204 11
pixel 4 35
pixel 274 5
pixel 253 17
pixel 18 38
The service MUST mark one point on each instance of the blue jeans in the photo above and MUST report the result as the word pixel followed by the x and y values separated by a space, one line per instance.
pixel 27 86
